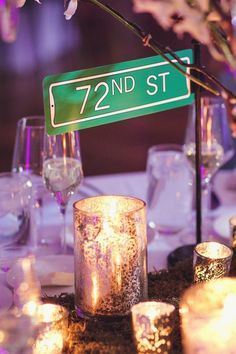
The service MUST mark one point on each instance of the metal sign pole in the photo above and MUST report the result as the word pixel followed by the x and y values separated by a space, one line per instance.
pixel 186 251
pixel 197 60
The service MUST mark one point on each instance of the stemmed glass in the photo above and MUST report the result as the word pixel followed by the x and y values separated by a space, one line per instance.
pixel 28 159
pixel 20 325
pixel 62 170
pixel 216 143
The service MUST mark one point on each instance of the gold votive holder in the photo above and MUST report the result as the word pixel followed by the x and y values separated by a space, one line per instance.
pixel 208 317
pixel 53 327
pixel 232 226
pixel 152 326
pixel 110 255
pixel 211 261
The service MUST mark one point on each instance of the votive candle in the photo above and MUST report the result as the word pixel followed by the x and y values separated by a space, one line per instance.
pixel 153 325
pixel 211 260
pixel 208 314
pixel 53 323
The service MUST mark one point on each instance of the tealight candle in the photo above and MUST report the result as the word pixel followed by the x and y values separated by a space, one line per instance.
pixel 208 314
pixel 232 225
pixel 53 322
pixel 211 260
pixel 110 255
pixel 153 325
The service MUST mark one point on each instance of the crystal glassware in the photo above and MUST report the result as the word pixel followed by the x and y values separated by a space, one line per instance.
pixel 19 326
pixel 28 160
pixel 15 193
pixel 169 191
pixel 62 170
pixel 216 143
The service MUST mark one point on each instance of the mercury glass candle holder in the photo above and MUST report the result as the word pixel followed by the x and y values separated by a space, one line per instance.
pixel 53 326
pixel 211 260
pixel 232 225
pixel 208 316
pixel 110 255
pixel 152 326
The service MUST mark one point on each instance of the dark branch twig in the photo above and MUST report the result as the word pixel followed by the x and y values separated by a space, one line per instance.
pixel 163 51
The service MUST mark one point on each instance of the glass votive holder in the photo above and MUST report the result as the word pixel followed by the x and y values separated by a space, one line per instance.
pixel 17 332
pixel 110 255
pixel 152 326
pixel 53 326
pixel 211 260
pixel 208 317
pixel 232 226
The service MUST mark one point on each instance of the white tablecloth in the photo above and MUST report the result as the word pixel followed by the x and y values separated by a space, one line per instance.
pixel 130 184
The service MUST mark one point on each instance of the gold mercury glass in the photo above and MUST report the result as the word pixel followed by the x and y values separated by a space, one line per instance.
pixel 53 327
pixel 211 260
pixel 153 326
pixel 110 255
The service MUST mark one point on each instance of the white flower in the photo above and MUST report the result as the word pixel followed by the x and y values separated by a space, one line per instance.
pixel 20 3
pixel 72 7
pixel 194 17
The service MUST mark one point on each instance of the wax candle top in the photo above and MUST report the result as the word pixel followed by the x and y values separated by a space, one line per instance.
pixel 153 309
pixel 49 313
pixel 210 297
pixel 213 250
pixel 109 205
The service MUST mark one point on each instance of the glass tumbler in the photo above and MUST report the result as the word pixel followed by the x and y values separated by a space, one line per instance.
pixel 169 192
pixel 110 255
pixel 15 192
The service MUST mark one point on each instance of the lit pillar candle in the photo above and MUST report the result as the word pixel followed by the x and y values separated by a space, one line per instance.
pixel 153 326
pixel 53 323
pixel 211 260
pixel 110 255
pixel 208 314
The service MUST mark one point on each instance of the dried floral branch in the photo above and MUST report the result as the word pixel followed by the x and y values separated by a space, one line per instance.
pixel 218 90
pixel 208 21
pixel 163 51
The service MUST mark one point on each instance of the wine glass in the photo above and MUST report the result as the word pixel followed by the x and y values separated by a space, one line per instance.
pixel 216 143
pixel 28 160
pixel 62 170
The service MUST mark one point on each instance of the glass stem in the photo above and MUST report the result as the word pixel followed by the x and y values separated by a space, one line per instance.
pixel 206 199
pixel 63 233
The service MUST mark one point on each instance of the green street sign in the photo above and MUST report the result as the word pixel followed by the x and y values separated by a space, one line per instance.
pixel 88 98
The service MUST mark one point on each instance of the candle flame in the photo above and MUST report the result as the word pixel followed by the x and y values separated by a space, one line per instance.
pixel 117 268
pixel 50 313
pixel 95 290
pixel 213 250
pixel 209 132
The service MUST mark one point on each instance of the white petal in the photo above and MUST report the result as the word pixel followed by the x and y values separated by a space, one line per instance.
pixel 71 9
pixel 20 3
